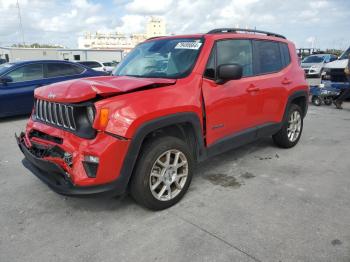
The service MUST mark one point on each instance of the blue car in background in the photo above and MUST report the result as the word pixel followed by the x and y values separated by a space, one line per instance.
pixel 18 81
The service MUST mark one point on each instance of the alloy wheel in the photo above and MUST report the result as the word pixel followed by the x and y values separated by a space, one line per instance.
pixel 294 127
pixel 168 175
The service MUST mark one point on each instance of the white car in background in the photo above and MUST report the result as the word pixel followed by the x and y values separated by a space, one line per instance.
pixel 313 65
pixel 107 67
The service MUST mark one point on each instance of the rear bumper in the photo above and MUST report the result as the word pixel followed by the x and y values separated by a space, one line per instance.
pixel 59 180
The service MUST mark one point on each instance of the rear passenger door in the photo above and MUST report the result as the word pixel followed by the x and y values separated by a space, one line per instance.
pixel 272 78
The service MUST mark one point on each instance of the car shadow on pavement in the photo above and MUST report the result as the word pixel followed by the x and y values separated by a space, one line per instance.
pixel 125 202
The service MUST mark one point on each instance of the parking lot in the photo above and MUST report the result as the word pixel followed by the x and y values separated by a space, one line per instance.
pixel 257 203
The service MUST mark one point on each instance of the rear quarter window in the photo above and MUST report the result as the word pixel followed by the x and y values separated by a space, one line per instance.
pixel 285 54
pixel 60 69
pixel 91 64
pixel 268 57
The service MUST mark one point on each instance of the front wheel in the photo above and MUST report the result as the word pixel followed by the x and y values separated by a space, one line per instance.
pixel 291 130
pixel 163 173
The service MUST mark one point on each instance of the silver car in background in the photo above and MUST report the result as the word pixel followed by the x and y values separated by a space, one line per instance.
pixel 313 65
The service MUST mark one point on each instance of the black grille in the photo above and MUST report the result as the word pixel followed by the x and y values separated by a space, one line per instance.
pixel 70 117
pixel 60 115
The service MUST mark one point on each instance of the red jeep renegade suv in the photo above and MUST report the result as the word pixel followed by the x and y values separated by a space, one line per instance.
pixel 172 102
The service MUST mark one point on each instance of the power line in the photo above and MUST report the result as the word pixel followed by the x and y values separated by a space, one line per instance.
pixel 20 23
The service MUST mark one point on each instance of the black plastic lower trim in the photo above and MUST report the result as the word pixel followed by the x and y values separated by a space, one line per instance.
pixel 241 138
pixel 58 180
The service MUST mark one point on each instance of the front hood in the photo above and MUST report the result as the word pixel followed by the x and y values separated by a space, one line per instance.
pixel 79 90
pixel 337 64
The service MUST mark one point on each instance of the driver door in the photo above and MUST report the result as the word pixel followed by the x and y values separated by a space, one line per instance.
pixel 230 107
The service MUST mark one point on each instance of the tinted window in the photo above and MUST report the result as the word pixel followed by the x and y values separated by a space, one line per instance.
pixel 285 54
pixel 27 73
pixel 268 58
pixel 210 69
pixel 5 67
pixel 236 52
pixel 90 64
pixel 60 69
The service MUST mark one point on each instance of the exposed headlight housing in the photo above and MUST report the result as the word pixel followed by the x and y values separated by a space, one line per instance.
pixel 90 111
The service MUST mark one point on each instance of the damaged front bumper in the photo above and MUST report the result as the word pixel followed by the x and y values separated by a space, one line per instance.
pixel 44 162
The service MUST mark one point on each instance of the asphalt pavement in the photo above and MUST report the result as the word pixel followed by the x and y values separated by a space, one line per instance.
pixel 255 203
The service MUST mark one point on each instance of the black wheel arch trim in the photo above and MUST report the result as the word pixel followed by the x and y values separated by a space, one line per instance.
pixel 153 125
pixel 296 94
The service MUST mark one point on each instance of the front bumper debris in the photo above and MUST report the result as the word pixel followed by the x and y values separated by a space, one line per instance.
pixel 56 177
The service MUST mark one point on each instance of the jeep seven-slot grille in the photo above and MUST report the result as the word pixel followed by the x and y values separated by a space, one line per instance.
pixel 60 115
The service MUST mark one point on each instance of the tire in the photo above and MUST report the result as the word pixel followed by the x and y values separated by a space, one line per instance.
pixel 285 137
pixel 316 100
pixel 328 101
pixel 153 167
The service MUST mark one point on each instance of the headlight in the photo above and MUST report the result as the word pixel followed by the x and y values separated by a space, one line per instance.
pixel 90 114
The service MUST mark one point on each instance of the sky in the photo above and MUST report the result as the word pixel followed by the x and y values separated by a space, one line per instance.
pixel 324 23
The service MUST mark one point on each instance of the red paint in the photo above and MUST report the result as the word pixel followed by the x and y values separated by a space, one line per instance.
pixel 231 107
pixel 78 90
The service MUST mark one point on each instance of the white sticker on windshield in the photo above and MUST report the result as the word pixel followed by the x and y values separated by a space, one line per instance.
pixel 188 45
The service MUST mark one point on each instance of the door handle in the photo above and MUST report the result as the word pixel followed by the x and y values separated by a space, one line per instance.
pixel 253 88
pixel 286 81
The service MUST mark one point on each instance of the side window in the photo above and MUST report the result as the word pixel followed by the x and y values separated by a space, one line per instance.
pixel 236 52
pixel 60 69
pixel 269 59
pixel 27 73
pixel 285 54
pixel 91 64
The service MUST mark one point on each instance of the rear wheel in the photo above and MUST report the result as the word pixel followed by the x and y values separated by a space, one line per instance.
pixel 291 130
pixel 328 101
pixel 163 173
pixel 316 100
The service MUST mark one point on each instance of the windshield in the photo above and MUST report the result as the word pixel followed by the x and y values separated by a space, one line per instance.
pixel 167 58
pixel 4 67
pixel 345 55
pixel 313 59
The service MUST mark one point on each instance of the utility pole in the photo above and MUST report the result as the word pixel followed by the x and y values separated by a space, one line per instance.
pixel 20 23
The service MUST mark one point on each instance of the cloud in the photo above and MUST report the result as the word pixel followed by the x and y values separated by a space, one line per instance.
pixel 63 21
pixel 132 24
pixel 150 7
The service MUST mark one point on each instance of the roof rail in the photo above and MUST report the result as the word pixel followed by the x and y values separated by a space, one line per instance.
pixel 154 37
pixel 237 30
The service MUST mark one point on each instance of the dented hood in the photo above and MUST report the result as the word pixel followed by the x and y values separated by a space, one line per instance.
pixel 79 90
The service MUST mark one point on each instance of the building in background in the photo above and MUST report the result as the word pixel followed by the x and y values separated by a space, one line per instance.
pixel 12 54
pixel 115 40
pixel 155 27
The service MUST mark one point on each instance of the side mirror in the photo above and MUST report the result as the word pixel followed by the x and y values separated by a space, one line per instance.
pixel 5 79
pixel 229 72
